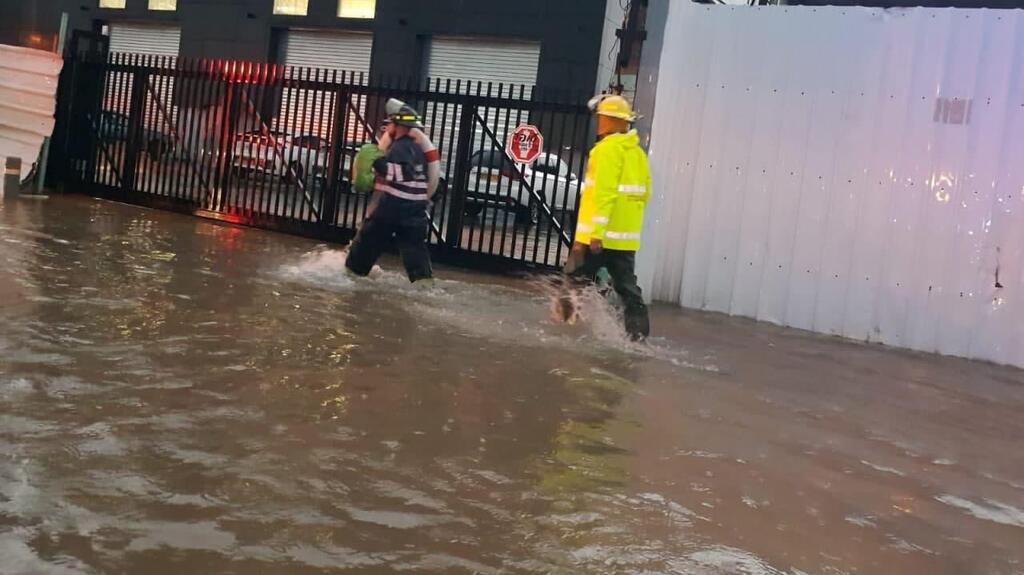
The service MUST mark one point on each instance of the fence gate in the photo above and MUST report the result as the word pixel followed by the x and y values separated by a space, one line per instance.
pixel 272 146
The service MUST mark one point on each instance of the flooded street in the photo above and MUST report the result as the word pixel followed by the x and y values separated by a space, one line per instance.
pixel 180 396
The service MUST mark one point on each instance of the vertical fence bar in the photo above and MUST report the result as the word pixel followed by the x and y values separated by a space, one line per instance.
pixel 505 134
pixel 187 134
pixel 567 218
pixel 260 80
pixel 156 182
pixel 458 200
pixel 135 123
pixel 477 149
pixel 470 137
pixel 528 189
pixel 294 184
pixel 115 147
pixel 560 184
pixel 161 100
pixel 498 144
pixel 344 117
pixel 263 92
pixel 309 162
pixel 109 105
pixel 247 84
pixel 152 84
pixel 226 147
pixel 515 235
pixel 211 120
pixel 362 108
pixel 451 110
pixel 335 160
pixel 97 72
pixel 283 121
pixel 533 198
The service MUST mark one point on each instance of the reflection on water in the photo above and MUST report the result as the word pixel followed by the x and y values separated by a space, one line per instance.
pixel 178 396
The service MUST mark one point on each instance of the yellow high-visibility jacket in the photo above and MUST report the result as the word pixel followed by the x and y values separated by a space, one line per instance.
pixel 615 193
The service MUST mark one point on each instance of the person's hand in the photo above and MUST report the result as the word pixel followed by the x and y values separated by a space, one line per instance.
pixel 576 257
pixel 596 246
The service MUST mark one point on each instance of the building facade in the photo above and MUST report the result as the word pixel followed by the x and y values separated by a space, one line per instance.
pixel 554 45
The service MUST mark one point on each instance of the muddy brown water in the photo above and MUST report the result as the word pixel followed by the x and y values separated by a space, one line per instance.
pixel 180 396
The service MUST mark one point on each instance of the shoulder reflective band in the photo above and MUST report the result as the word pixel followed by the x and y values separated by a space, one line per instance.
pixel 622 235
pixel 633 189
pixel 600 219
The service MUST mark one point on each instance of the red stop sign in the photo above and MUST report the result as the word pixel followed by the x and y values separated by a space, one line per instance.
pixel 525 144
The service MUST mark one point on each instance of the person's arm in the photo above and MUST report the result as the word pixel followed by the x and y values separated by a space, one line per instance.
pixel 607 172
pixel 380 165
pixel 433 159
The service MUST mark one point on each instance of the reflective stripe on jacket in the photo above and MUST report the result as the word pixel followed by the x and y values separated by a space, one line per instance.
pixel 615 193
pixel 402 171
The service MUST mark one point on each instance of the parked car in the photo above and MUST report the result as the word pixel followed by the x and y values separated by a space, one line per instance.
pixel 113 126
pixel 281 154
pixel 495 180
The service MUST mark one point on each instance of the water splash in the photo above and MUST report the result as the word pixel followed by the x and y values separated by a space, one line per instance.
pixel 520 314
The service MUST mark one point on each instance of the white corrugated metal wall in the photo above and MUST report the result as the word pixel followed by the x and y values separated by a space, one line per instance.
pixel 28 93
pixel 849 171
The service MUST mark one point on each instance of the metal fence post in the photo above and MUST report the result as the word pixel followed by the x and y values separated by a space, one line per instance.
pixel 457 192
pixel 335 163
pixel 226 145
pixel 133 149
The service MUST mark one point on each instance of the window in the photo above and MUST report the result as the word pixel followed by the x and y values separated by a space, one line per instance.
pixel 548 164
pixel 169 5
pixel 291 7
pixel 117 4
pixel 357 8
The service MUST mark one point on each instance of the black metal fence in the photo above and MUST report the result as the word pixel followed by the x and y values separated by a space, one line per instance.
pixel 272 146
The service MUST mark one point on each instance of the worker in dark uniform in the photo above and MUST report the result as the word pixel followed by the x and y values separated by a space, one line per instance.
pixel 402 201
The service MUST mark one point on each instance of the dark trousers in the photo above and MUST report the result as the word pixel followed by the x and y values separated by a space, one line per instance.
pixel 405 221
pixel 621 267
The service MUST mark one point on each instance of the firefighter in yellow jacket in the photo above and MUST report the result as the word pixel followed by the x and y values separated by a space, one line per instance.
pixel 611 215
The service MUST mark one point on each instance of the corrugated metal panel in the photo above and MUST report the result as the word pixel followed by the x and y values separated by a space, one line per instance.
pixel 336 50
pixel 28 88
pixel 849 171
pixel 142 39
pixel 160 113
pixel 509 66
pixel 349 52
pixel 484 60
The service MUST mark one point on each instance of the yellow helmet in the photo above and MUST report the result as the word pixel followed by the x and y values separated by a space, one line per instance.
pixel 613 106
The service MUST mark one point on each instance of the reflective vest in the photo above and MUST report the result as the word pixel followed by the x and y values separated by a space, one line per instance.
pixel 615 193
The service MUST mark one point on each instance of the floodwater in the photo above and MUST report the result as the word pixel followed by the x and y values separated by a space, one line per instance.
pixel 180 396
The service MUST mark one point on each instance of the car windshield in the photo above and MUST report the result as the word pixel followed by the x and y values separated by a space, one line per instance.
pixel 491 159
